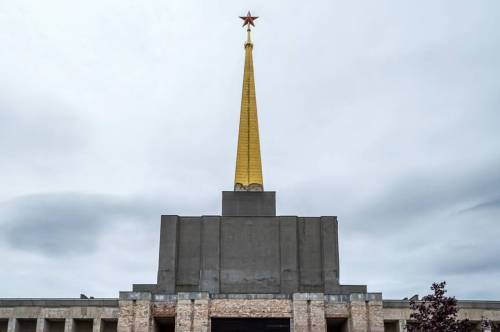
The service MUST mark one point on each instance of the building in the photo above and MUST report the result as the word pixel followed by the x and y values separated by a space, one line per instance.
pixel 244 270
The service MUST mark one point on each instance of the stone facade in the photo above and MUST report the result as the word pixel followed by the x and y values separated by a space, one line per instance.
pixel 193 312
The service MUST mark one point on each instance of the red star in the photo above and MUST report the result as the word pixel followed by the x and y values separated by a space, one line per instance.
pixel 248 20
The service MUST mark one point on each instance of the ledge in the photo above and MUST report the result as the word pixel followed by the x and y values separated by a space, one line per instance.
pixel 63 302
pixel 463 304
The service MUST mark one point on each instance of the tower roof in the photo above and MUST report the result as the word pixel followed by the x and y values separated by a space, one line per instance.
pixel 248 175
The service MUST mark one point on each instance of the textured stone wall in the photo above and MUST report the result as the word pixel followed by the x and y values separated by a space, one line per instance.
pixel 192 312
pixel 336 310
pixel 135 316
pixel 255 308
pixel 126 319
pixel 164 309
pixel 358 320
pixel 375 312
pixel 309 312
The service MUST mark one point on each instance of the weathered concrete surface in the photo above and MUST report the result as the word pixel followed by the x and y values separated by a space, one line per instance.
pixel 56 315
pixel 34 312
pixel 242 254
pixel 249 203
pixel 51 303
pixel 250 255
pixel 336 306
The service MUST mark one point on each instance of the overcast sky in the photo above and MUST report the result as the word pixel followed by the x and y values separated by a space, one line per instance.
pixel 384 113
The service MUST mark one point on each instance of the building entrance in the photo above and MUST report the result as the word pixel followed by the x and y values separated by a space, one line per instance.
pixel 250 325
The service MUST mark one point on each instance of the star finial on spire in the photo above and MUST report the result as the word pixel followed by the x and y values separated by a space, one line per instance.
pixel 248 20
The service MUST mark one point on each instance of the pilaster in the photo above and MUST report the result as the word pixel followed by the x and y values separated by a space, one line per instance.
pixel 135 312
pixel 402 325
pixel 309 312
pixel 366 312
pixel 40 324
pixel 358 318
pixel 192 312
pixel 12 325
pixel 375 312
pixel 68 325
pixel 97 325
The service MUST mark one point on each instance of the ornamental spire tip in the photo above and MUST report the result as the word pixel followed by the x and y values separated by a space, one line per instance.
pixel 249 21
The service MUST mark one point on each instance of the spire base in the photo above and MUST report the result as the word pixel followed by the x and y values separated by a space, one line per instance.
pixel 251 204
pixel 250 187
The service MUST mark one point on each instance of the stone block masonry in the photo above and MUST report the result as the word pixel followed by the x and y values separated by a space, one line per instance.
pixel 193 312
pixel 307 312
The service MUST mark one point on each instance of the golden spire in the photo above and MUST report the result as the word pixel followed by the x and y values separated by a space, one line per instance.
pixel 248 175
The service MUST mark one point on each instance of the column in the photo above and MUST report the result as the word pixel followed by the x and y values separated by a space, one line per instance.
pixel 375 312
pixel 402 325
pixel 486 326
pixel 168 253
pixel 12 325
pixel 68 325
pixel 135 312
pixel 358 320
pixel 142 315
pixel 126 316
pixel 97 325
pixel 40 325
pixel 192 312
pixel 309 312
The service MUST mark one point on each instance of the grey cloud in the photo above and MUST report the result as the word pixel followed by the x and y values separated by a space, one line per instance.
pixel 479 258
pixel 68 223
pixel 383 113
pixel 414 197
pixel 488 205
pixel 37 125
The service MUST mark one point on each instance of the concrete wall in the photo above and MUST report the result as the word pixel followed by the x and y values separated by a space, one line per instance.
pixel 58 315
pixel 249 203
pixel 239 254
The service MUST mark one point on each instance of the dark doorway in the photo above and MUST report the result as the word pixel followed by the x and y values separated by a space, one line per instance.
pixel 109 325
pixel 54 325
pixel 83 325
pixel 336 325
pixel 166 324
pixel 250 324
pixel 26 325
pixel 4 323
